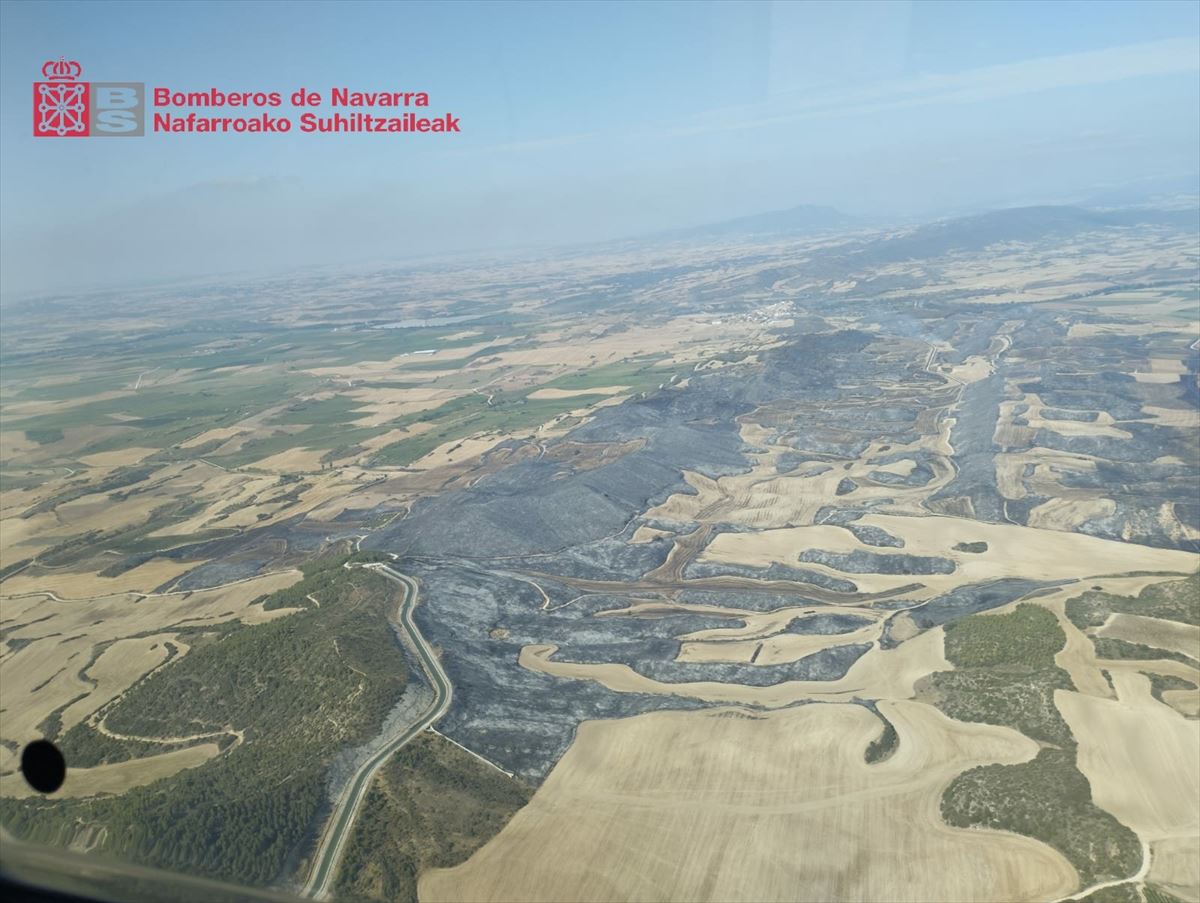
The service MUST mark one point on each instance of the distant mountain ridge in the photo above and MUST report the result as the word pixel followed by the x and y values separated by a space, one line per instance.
pixel 973 233
pixel 802 219
pixel 932 239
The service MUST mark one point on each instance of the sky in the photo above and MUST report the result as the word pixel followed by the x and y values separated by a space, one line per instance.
pixel 580 122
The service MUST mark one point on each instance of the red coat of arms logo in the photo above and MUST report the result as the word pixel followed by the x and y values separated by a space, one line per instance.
pixel 61 104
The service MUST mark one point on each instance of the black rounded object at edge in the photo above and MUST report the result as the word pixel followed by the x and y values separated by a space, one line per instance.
pixel 43 766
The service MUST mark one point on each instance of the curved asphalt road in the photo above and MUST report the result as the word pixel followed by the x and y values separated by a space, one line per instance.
pixel 329 853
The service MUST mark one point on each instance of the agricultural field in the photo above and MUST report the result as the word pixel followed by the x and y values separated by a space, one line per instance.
pixel 788 568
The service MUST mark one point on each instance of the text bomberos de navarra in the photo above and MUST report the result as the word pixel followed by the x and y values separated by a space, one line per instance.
pixel 359 115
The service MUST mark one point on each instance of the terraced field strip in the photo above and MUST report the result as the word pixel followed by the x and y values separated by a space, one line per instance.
pixel 341 822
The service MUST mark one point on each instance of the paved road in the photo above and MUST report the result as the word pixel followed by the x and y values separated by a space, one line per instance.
pixel 333 843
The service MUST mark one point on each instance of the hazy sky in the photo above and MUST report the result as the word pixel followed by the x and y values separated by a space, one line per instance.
pixel 580 122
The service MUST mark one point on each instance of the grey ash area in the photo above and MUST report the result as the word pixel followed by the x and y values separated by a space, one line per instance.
pixel 744 599
pixel 532 508
pixel 921 475
pixel 523 720
pixel 613 557
pixel 875 536
pixel 790 462
pixel 519 719
pixel 524 510
pixel 774 572
pixel 974 451
pixel 827 623
pixel 1149 468
pixel 864 533
pixel 1078 416
pixel 863 562
pixel 476 550
pixel 826 396
pixel 243 555
pixel 654 657
pixel 975 597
